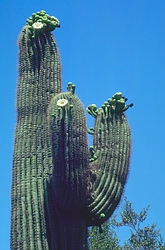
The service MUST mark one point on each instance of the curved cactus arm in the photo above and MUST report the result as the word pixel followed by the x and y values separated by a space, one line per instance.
pixel 110 157
pixel 69 150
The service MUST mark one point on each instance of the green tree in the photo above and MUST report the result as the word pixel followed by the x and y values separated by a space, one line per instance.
pixel 103 238
pixel 141 237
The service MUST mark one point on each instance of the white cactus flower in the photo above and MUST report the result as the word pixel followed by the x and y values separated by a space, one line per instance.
pixel 37 25
pixel 62 102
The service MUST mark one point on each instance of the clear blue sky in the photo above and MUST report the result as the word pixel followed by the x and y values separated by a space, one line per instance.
pixel 105 46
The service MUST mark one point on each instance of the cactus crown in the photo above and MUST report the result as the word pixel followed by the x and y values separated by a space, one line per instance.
pixel 41 22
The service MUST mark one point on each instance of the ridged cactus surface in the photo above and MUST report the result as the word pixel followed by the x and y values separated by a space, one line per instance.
pixel 70 150
pixel 110 157
pixel 39 80
pixel 60 186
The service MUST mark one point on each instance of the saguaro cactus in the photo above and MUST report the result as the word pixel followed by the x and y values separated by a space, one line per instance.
pixel 59 186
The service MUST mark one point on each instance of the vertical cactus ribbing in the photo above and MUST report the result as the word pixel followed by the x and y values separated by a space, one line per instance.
pixel 70 150
pixel 70 160
pixel 59 186
pixel 39 79
pixel 109 164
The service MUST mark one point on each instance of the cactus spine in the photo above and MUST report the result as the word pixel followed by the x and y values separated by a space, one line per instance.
pixel 59 187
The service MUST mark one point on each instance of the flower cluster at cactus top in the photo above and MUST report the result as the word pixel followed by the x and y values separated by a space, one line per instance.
pixel 116 104
pixel 41 22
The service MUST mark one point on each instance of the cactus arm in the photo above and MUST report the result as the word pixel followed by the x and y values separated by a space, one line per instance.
pixel 70 163
pixel 109 164
pixel 70 150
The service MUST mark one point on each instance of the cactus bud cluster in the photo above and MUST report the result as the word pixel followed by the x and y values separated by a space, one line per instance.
pixel 41 22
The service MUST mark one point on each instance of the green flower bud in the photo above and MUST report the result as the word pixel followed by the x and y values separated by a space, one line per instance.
pixel 102 216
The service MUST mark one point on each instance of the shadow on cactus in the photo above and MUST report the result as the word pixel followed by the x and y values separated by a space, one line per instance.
pixel 60 186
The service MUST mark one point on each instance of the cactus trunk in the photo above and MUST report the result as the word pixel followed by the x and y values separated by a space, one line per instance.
pixel 39 79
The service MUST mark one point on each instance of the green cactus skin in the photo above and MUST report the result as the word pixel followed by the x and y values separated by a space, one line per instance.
pixel 39 80
pixel 68 230
pixel 109 164
pixel 70 161
pixel 70 150
pixel 59 186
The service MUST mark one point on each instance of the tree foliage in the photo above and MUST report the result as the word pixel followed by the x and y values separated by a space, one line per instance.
pixel 104 240
pixel 141 237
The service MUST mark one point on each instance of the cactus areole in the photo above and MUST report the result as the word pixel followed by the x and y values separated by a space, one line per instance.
pixel 60 185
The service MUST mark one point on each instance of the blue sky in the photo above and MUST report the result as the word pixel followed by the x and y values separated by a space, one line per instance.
pixel 106 46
